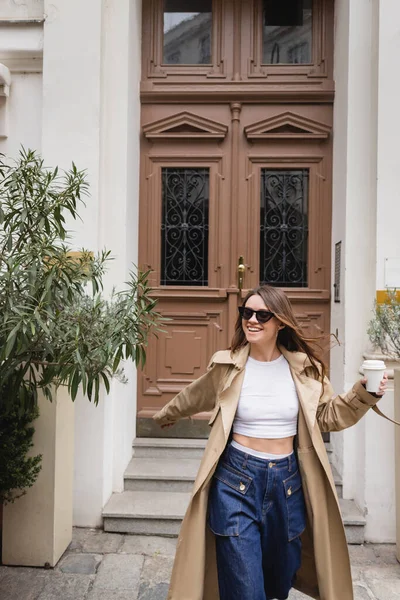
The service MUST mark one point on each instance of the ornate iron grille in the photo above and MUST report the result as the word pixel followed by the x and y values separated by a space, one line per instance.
pixel 284 227
pixel 184 226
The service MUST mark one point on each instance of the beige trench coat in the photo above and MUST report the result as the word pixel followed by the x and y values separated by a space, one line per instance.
pixel 325 570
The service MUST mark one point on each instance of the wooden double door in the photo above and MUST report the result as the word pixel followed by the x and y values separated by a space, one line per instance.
pixel 232 195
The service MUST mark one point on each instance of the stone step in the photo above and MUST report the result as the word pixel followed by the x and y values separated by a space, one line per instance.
pixel 182 447
pixel 173 474
pixel 354 521
pixel 338 482
pixel 168 447
pixel 146 513
pixel 161 513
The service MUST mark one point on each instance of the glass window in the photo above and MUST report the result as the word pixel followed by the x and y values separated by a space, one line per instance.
pixel 187 35
pixel 284 227
pixel 184 226
pixel 287 32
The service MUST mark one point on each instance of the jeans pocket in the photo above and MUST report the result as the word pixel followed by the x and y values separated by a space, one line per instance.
pixel 296 509
pixel 225 500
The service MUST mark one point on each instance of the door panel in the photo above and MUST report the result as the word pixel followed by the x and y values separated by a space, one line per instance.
pixel 185 216
pixel 202 201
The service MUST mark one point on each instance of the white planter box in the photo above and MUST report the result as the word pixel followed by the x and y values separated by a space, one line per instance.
pixel 37 528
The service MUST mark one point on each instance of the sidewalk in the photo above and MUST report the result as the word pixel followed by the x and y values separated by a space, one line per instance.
pixel 109 566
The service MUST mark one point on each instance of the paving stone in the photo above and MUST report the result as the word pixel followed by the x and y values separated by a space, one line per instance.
pixel 22 584
pixel 382 572
pixel 155 576
pixel 99 594
pixel 384 582
pixel 150 545
pixel 66 587
pixel 362 593
pixel 156 570
pixel 153 592
pixel 296 595
pixel 357 573
pixel 362 555
pixel 102 543
pixel 385 553
pixel 119 572
pixel 386 590
pixel 80 564
pixel 79 535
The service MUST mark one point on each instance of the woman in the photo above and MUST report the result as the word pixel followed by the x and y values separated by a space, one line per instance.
pixel 264 509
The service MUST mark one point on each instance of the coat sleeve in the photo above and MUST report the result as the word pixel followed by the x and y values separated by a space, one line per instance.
pixel 198 396
pixel 335 413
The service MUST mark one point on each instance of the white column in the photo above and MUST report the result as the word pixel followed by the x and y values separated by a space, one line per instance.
pixel 72 100
pixel 91 71
pixel 380 443
pixel 365 217
pixel 388 90
pixel 71 132
pixel 353 217
pixel 119 193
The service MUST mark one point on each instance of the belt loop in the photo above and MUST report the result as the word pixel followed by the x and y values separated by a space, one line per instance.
pixel 290 463
pixel 246 458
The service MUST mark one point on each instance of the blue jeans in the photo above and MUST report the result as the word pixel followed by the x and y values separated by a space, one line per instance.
pixel 257 513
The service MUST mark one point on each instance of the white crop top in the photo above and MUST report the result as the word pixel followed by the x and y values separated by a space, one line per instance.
pixel 268 403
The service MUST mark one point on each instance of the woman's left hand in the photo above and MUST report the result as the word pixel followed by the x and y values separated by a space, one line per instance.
pixel 382 385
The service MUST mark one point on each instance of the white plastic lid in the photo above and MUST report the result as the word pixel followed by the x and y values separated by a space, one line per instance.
pixel 373 365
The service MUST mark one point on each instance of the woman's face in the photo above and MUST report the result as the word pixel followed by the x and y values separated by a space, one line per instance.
pixel 262 334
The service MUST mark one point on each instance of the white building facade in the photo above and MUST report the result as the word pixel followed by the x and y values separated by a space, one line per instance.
pixel 70 77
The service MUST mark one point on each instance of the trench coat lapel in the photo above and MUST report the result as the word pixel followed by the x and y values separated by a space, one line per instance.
pixel 229 401
pixel 309 392
pixel 308 389
pixel 229 396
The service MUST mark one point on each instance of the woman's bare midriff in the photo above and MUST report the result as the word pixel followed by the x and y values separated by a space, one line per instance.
pixel 279 446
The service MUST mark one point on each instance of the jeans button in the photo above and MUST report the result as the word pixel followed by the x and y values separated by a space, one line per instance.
pixel 242 487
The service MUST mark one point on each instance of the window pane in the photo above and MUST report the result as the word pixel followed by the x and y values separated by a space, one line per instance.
pixel 184 226
pixel 287 32
pixel 187 35
pixel 284 227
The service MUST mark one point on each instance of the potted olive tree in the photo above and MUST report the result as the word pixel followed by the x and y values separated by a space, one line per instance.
pixel 58 335
pixel 384 333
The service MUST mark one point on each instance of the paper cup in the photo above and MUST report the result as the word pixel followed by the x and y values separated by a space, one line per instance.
pixel 374 371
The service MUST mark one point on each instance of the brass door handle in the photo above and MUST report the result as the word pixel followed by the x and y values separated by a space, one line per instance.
pixel 241 268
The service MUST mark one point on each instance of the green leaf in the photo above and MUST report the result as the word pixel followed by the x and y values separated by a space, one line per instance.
pixel 96 390
pixel 75 384
pixel 106 382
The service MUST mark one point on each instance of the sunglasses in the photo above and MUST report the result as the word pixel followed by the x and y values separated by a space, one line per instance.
pixel 262 316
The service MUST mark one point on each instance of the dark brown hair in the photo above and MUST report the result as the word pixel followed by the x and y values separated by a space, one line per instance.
pixel 291 336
